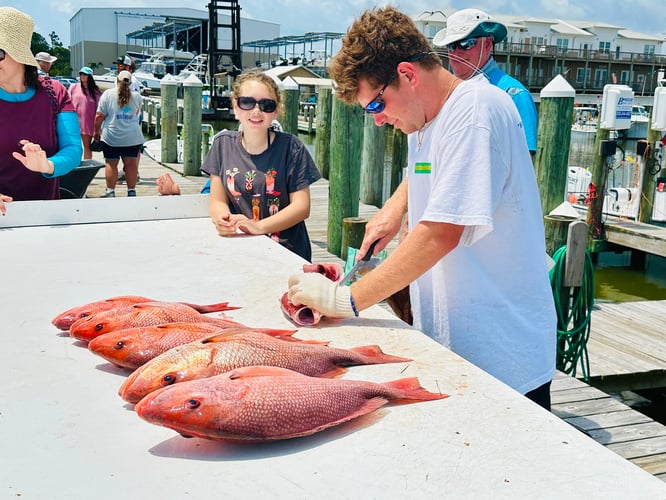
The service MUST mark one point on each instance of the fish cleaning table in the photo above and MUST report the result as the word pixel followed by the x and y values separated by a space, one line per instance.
pixel 66 434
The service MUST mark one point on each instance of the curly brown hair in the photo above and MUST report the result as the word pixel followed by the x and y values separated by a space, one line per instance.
pixel 373 47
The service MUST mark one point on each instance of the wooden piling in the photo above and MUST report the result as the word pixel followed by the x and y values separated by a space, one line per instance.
pixel 398 158
pixel 323 132
pixel 353 230
pixel 649 175
pixel 596 192
pixel 291 102
pixel 372 162
pixel 554 141
pixel 169 120
pixel 346 144
pixel 192 88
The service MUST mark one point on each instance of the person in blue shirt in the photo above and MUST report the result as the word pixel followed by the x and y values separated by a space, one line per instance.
pixel 469 36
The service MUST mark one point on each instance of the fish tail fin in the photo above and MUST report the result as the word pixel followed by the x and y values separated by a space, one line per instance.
pixel 209 308
pixel 375 355
pixel 408 390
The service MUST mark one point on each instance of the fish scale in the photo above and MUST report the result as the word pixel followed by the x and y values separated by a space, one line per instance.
pixel 145 314
pixel 224 353
pixel 260 403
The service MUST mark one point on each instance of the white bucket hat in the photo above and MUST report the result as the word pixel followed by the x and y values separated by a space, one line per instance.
pixel 46 57
pixel 16 34
pixel 469 23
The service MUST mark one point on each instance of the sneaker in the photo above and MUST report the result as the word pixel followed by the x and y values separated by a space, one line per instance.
pixel 131 192
pixel 121 177
pixel 109 194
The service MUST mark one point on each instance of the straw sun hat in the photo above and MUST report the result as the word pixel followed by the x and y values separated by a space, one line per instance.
pixel 469 23
pixel 16 34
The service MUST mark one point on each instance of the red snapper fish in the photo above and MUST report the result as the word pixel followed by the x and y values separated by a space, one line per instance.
pixel 218 354
pixel 303 315
pixel 132 347
pixel 65 319
pixel 143 314
pixel 260 403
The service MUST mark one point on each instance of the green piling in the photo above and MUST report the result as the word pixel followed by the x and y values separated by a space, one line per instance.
pixel 346 144
pixel 192 89
pixel 372 162
pixel 323 132
pixel 169 122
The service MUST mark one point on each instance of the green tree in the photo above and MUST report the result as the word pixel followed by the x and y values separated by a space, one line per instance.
pixel 62 66
pixel 38 43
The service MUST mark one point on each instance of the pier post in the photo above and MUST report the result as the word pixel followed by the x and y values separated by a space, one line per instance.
pixel 398 158
pixel 372 162
pixel 158 120
pixel 598 181
pixel 649 177
pixel 345 167
pixel 291 97
pixel 554 141
pixel 192 88
pixel 353 230
pixel 323 132
pixel 169 126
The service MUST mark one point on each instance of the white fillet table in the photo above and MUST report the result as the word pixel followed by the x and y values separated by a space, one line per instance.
pixel 66 434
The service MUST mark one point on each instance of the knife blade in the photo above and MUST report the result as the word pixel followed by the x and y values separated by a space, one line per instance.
pixel 356 267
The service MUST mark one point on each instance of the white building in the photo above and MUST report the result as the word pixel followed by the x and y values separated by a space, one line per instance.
pixel 98 36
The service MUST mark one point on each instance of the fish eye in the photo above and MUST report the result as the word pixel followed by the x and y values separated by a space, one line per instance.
pixel 99 326
pixel 193 403
pixel 119 345
pixel 83 315
pixel 168 379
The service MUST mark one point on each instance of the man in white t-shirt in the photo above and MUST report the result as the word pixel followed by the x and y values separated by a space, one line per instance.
pixel 475 256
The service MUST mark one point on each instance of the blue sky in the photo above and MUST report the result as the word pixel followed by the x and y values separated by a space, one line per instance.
pixel 297 17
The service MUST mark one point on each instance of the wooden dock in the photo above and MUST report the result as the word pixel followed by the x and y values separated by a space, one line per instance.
pixel 636 235
pixel 626 350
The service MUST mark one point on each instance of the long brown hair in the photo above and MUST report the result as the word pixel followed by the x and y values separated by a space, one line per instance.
pixel 124 93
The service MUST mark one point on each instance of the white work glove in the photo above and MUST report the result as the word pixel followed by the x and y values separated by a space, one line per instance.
pixel 318 292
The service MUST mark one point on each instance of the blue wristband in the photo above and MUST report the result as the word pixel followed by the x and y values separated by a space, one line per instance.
pixel 353 306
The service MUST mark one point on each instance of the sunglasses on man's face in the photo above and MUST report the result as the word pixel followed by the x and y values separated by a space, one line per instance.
pixel 377 104
pixel 2 55
pixel 466 44
pixel 248 103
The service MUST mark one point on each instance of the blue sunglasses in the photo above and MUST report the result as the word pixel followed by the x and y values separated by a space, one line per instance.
pixel 377 105
pixel 466 44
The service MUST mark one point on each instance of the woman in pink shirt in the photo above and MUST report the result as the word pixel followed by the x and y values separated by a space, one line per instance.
pixel 85 96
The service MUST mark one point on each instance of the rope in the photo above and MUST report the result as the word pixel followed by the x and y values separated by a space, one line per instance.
pixel 573 323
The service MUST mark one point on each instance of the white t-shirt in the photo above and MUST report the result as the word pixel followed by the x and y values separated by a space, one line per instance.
pixel 121 126
pixel 489 300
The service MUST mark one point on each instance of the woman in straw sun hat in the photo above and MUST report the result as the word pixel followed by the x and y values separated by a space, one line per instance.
pixel 39 131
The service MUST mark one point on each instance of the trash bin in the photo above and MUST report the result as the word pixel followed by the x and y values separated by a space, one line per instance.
pixel 75 183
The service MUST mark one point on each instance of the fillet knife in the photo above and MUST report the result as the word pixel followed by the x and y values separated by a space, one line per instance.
pixel 356 267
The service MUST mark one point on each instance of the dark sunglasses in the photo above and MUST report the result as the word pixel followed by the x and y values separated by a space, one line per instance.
pixel 466 44
pixel 377 104
pixel 2 55
pixel 248 103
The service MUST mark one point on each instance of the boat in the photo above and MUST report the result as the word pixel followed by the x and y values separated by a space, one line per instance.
pixel 639 123
pixel 197 66
pixel 107 80
pixel 585 120
pixel 150 73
